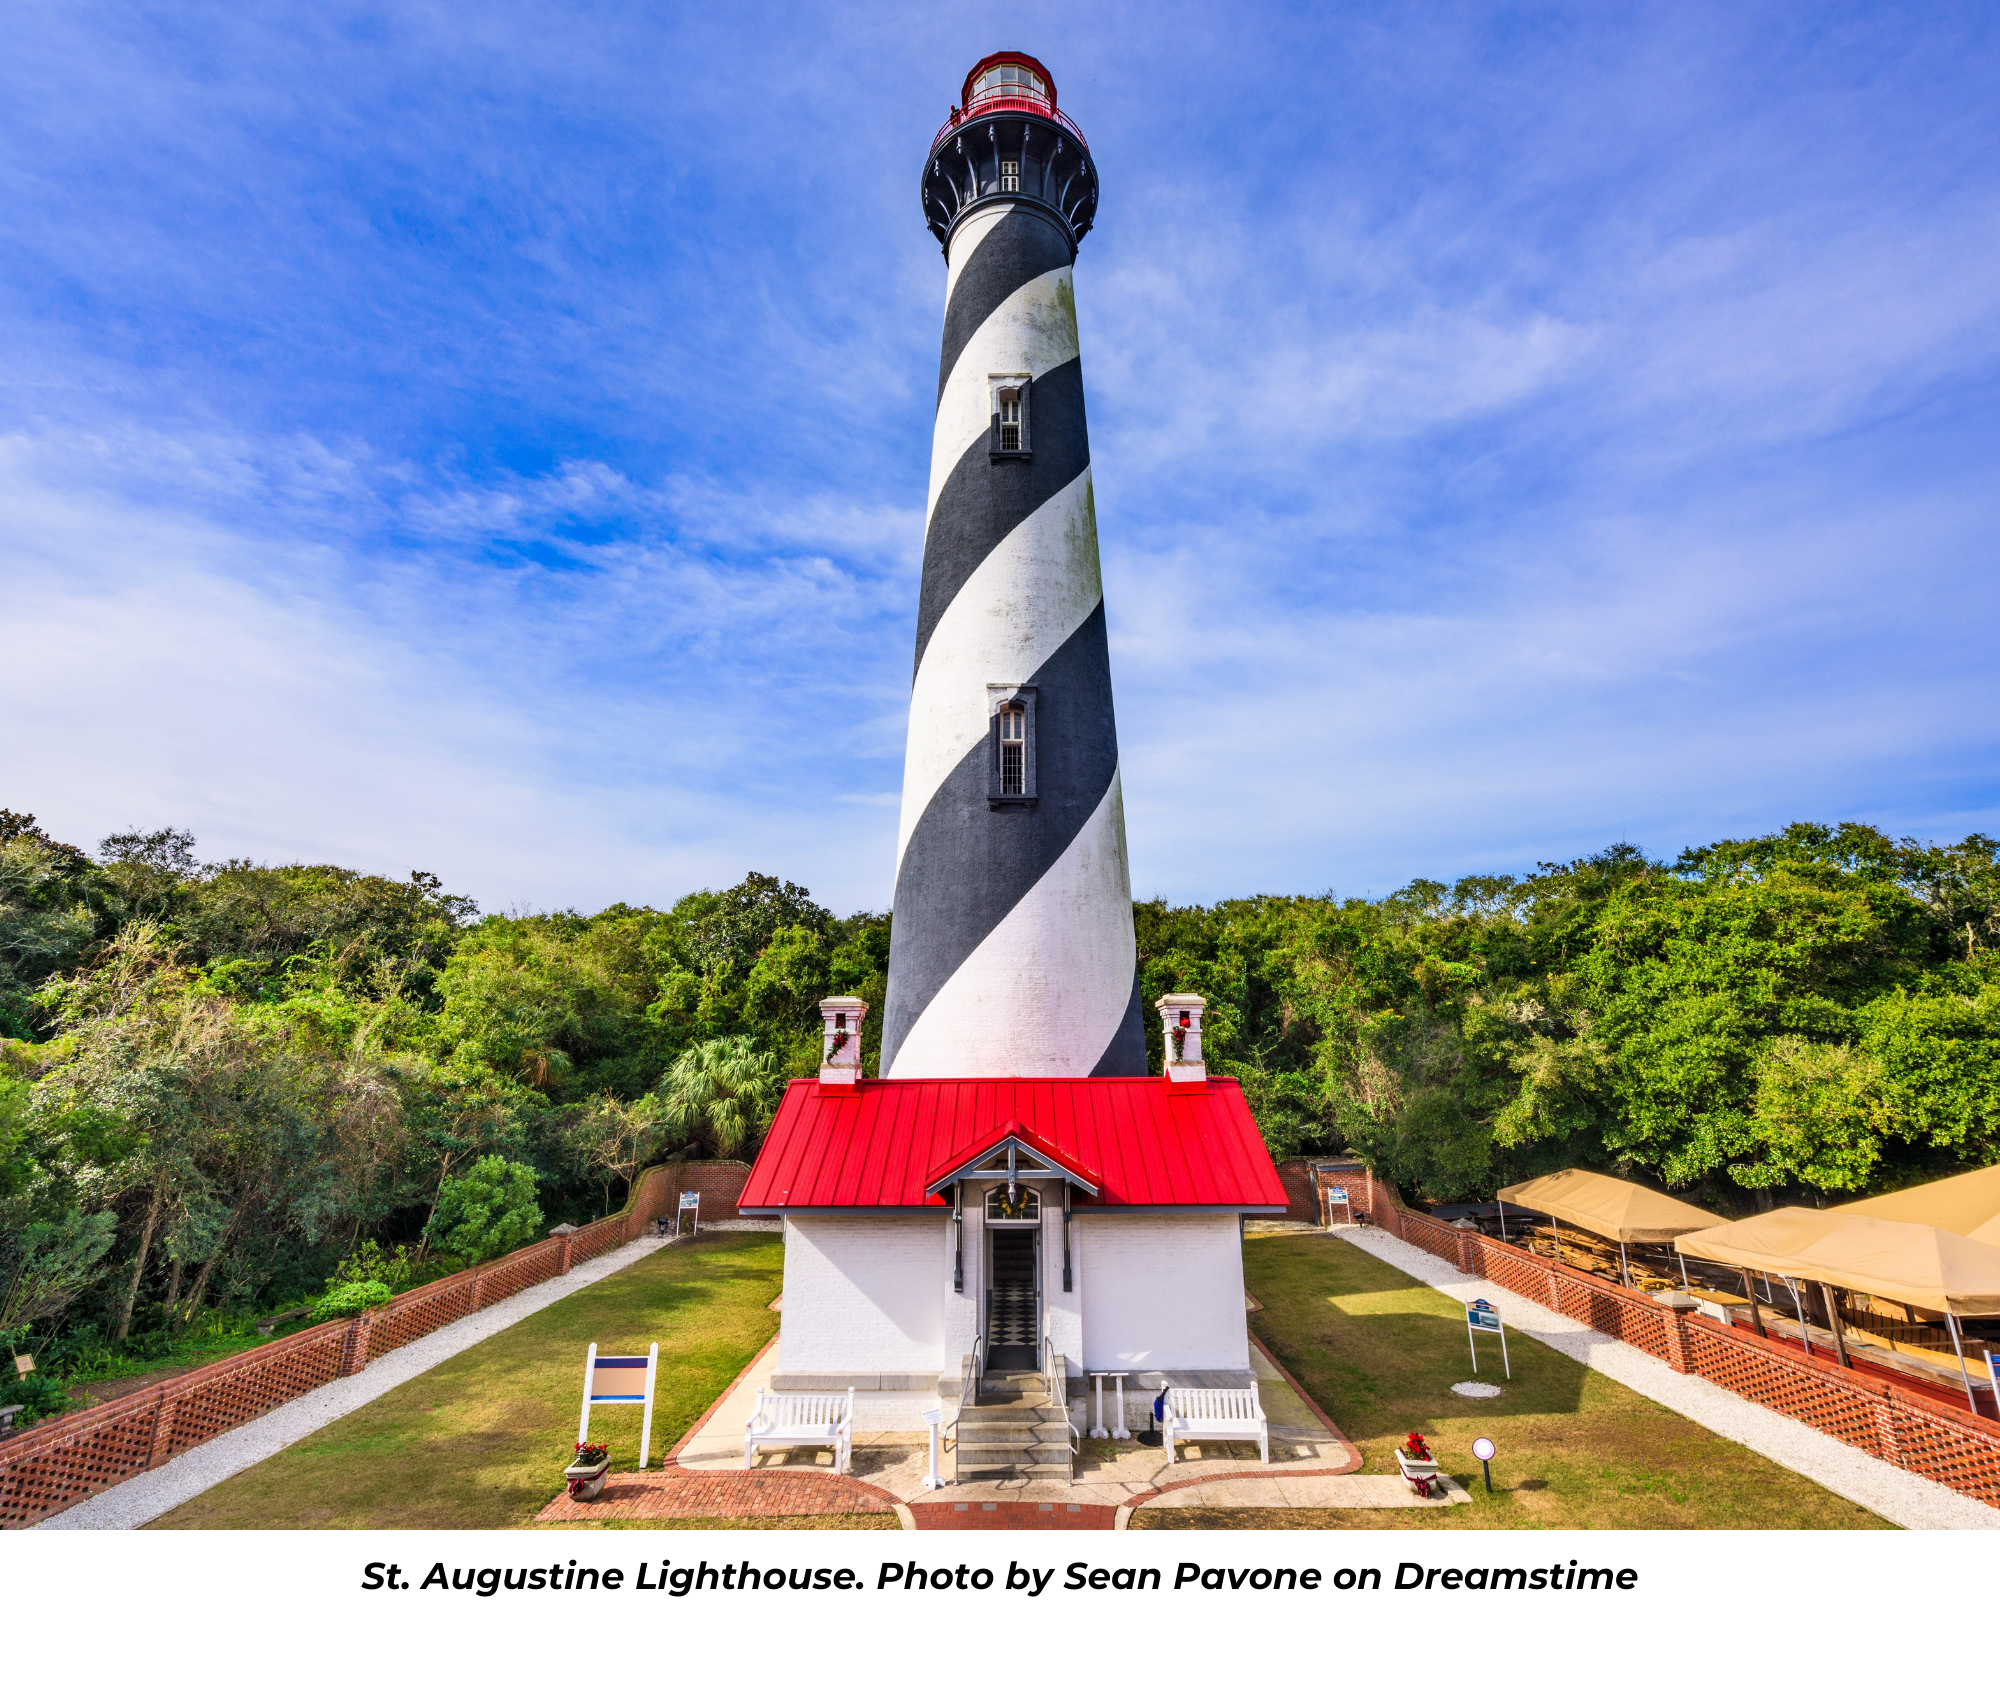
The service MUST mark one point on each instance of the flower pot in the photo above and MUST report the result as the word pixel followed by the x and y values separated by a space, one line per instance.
pixel 586 1481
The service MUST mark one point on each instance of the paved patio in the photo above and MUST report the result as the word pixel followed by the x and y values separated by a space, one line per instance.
pixel 1311 1465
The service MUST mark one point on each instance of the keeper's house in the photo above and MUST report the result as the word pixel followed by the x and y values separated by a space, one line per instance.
pixel 1017 1223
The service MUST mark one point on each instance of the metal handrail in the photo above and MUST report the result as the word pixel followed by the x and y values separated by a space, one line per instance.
pixel 968 1393
pixel 1055 1373
pixel 1012 101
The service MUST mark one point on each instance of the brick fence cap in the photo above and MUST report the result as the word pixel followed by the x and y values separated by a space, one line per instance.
pixel 561 1228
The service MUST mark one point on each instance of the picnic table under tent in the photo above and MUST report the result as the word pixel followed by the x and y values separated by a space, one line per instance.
pixel 1922 1270
pixel 1621 1212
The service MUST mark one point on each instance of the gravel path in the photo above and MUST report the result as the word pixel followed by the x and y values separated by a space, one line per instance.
pixel 1902 1498
pixel 134 1503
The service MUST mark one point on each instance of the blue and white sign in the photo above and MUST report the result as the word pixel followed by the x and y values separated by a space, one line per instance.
pixel 1482 1318
pixel 1336 1195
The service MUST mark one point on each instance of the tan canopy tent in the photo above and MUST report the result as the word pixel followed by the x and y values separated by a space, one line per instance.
pixel 1905 1261
pixel 1912 1263
pixel 1965 1204
pixel 1616 1210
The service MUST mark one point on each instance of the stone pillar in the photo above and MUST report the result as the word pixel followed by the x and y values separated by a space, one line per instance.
pixel 354 1349
pixel 1675 1305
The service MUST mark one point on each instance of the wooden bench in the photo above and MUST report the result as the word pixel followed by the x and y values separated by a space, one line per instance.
pixel 1215 1413
pixel 782 1421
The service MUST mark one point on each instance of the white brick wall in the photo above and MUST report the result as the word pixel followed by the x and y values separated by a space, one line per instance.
pixel 1163 1292
pixel 865 1295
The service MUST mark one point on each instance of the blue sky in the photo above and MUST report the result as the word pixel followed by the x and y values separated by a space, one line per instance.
pixel 494 440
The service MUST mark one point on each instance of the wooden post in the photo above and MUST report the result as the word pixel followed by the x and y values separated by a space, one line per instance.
pixel 1833 1320
pixel 1756 1315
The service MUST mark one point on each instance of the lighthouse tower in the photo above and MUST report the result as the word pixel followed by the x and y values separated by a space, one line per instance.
pixel 1013 950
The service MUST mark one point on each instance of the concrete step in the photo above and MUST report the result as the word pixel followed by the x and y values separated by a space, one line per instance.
pixel 968 1456
pixel 1013 1434
pixel 1009 1472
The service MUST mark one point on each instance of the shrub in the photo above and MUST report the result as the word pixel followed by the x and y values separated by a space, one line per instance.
pixel 487 1211
pixel 351 1298
pixel 369 1262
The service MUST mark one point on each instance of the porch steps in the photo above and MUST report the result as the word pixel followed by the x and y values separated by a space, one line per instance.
pixel 1013 1431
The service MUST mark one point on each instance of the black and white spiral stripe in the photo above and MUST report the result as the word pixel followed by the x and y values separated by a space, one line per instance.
pixel 1013 950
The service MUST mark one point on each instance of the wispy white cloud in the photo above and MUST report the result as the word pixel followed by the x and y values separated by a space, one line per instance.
pixel 497 443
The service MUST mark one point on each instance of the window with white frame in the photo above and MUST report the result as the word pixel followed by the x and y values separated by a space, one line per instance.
pixel 1012 774
pixel 1010 176
pixel 1013 751
pixel 1010 415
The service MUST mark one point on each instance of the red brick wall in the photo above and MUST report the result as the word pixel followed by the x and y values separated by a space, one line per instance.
pixel 1301 1203
pixel 57 1463
pixel 1927 1436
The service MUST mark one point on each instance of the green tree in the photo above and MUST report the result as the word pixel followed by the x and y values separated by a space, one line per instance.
pixel 487 1211
pixel 720 1094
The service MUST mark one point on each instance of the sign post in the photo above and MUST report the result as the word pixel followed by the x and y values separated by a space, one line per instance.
pixel 690 1201
pixel 1338 1195
pixel 1482 1318
pixel 934 1420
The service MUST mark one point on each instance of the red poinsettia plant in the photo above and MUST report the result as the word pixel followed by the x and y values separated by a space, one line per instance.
pixel 591 1452
pixel 1414 1446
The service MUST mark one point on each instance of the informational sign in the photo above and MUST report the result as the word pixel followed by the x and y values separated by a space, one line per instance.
pixel 1338 1195
pixel 1993 1375
pixel 1482 1318
pixel 620 1381
pixel 690 1204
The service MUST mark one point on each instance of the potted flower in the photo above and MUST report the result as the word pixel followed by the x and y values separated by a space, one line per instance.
pixel 1417 1465
pixel 585 1473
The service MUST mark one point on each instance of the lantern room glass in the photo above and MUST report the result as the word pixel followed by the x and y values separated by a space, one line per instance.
pixel 998 80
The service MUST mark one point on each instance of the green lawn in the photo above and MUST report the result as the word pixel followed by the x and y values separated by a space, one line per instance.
pixel 1379 1352
pixel 479 1442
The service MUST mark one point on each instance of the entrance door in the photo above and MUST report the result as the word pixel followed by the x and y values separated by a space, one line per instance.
pixel 1013 1299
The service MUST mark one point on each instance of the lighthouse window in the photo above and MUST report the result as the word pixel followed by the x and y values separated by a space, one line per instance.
pixel 1010 416
pixel 1013 752
pixel 1011 781
pixel 1010 176
pixel 1009 80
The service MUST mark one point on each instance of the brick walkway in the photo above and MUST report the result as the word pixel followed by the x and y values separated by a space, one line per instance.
pixel 663 1495
pixel 1012 1514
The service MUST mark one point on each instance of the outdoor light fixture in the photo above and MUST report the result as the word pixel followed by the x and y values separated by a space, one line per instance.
pixel 1483 1449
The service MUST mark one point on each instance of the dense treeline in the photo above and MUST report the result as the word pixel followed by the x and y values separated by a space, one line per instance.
pixel 223 1086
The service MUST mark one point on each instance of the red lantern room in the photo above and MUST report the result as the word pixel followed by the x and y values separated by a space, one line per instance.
pixel 1006 82
pixel 1007 137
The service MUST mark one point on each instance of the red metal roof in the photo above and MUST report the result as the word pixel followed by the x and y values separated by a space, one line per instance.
pixel 876 1148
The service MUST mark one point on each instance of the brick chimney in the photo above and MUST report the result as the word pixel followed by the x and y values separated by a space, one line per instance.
pixel 840 1045
pixel 1180 1019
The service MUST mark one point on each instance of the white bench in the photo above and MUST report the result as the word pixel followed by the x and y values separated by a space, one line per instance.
pixel 1215 1413
pixel 782 1421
